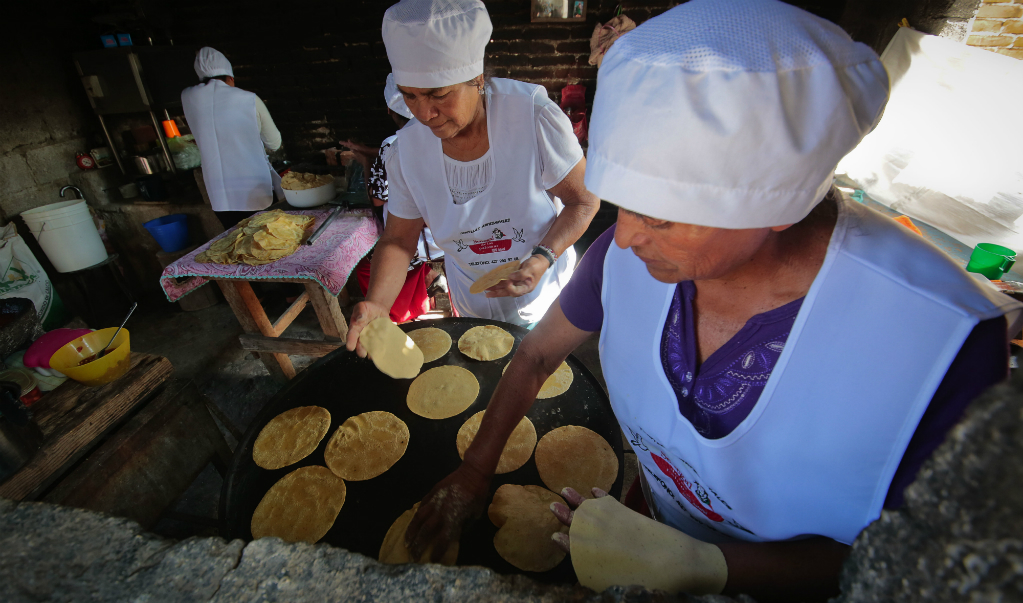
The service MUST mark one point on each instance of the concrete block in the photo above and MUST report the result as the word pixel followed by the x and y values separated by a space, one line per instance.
pixel 30 198
pixel 99 186
pixel 54 162
pixel 15 174
pixel 1014 26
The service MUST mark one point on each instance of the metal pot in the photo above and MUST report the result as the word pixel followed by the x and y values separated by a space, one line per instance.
pixel 144 165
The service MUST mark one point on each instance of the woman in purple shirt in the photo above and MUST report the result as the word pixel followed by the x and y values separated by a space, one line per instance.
pixel 781 360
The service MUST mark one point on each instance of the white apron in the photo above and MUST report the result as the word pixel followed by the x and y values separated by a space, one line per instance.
pixel 504 222
pixel 235 168
pixel 427 248
pixel 868 349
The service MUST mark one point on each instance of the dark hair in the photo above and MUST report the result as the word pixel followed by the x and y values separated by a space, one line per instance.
pixel 222 78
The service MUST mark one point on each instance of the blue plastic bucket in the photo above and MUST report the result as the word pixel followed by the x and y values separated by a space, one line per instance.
pixel 170 232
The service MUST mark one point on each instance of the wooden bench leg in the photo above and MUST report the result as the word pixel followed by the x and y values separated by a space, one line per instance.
pixel 253 319
pixel 328 311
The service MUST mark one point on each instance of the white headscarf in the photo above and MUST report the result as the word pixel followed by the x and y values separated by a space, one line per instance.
pixel 395 101
pixel 730 113
pixel 210 62
pixel 436 43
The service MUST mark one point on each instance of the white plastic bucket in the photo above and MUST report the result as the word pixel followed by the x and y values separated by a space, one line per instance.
pixel 67 234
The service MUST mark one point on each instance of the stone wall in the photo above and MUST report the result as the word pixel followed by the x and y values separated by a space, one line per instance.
pixel 44 114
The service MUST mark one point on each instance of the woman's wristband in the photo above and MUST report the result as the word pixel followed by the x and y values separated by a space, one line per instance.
pixel 546 252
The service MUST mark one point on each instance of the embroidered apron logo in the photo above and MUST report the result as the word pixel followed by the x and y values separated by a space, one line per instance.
pixel 497 243
pixel 686 489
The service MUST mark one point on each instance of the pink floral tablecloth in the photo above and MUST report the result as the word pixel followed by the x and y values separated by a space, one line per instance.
pixel 329 261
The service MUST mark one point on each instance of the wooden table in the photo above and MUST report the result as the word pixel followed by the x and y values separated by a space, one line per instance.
pixel 128 448
pixel 263 337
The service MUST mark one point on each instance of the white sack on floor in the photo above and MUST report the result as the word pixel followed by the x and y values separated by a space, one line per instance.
pixel 949 149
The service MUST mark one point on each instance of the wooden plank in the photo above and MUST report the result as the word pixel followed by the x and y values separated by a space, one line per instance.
pixel 289 315
pixel 332 321
pixel 73 417
pixel 286 345
pixel 278 365
pixel 140 471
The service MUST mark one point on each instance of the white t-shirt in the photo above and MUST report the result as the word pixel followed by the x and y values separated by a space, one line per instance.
pixel 268 131
pixel 559 153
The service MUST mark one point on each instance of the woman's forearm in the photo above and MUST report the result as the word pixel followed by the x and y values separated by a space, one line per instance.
pixel 390 266
pixel 580 207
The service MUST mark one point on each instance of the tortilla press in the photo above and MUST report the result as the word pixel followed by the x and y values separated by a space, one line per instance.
pixel 20 437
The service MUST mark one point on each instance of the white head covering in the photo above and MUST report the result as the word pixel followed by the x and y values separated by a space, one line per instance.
pixel 730 113
pixel 210 62
pixel 436 43
pixel 395 101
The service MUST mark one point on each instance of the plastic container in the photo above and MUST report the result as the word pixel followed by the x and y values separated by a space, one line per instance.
pixel 991 260
pixel 100 371
pixel 67 235
pixel 311 197
pixel 171 232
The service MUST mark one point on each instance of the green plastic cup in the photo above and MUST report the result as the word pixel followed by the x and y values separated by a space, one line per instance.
pixel 991 260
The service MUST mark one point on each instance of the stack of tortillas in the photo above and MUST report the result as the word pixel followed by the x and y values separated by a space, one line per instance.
pixel 526 524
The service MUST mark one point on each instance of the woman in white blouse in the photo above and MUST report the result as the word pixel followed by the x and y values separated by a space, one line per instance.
pixel 490 165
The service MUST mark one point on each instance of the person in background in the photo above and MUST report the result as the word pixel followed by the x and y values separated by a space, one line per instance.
pixel 421 281
pixel 490 165
pixel 234 132
pixel 781 360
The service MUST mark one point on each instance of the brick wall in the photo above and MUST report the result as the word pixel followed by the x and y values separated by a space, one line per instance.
pixel 320 66
pixel 998 27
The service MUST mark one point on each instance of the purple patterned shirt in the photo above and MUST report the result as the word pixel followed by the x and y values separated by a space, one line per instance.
pixel 719 394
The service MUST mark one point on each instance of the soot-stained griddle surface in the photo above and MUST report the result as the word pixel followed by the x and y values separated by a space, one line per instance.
pixel 347 385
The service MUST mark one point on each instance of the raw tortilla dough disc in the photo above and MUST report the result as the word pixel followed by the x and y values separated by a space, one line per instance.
pixel 301 506
pixel 290 436
pixel 366 445
pixel 493 277
pixel 442 392
pixel 516 451
pixel 391 350
pixel 393 549
pixel 526 524
pixel 555 385
pixel 433 342
pixel 576 457
pixel 486 342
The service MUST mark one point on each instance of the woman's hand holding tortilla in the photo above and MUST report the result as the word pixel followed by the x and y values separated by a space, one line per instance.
pixel 364 313
pixel 523 280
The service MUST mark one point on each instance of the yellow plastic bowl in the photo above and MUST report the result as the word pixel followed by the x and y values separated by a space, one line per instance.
pixel 100 371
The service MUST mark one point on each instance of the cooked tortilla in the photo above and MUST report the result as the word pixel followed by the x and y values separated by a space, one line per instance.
pixel 290 436
pixel 493 277
pixel 486 342
pixel 301 506
pixel 442 392
pixel 516 451
pixel 366 445
pixel 433 342
pixel 391 350
pixel 555 385
pixel 576 457
pixel 526 524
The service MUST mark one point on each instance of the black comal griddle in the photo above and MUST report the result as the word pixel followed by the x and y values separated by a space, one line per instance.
pixel 347 385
